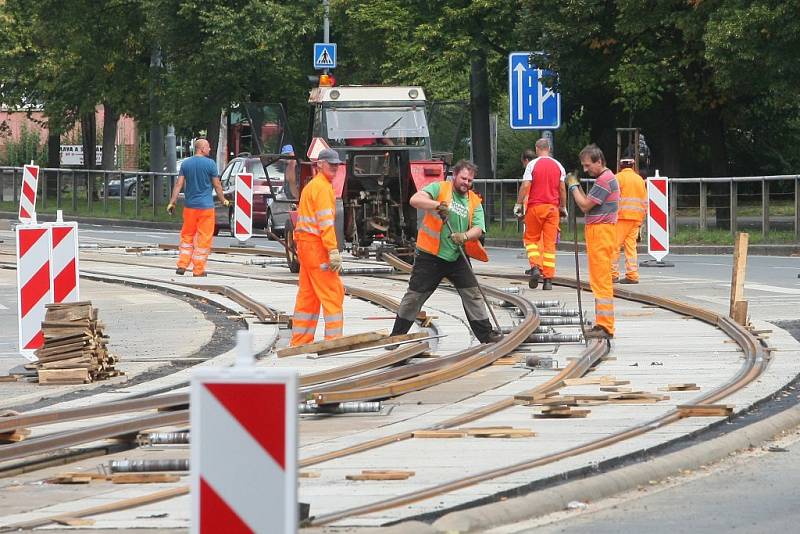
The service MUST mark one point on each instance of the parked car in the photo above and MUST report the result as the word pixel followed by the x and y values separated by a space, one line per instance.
pixel 262 203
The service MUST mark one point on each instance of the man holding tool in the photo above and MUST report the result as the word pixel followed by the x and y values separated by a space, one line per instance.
pixel 542 200
pixel 600 207
pixel 453 218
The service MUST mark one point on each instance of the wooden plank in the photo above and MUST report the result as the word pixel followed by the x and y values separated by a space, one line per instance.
pixel 559 414
pixel 616 389
pixel 144 478
pixel 309 474
pixel 56 376
pixel 15 435
pixel 439 434
pixel 740 312
pixel 680 387
pixel 705 410
pixel 73 521
pixel 381 475
pixel 738 270
pixel 390 340
pixel 344 341
pixel 73 478
pixel 502 433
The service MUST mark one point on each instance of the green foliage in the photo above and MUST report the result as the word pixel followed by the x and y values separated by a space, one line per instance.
pixel 25 148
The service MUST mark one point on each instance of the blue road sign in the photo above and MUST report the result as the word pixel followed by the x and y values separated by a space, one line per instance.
pixel 324 56
pixel 532 105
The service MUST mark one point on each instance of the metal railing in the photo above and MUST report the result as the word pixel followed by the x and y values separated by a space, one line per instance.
pixel 686 195
pixel 93 192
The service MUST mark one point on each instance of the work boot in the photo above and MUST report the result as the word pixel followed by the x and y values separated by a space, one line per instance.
pixel 615 279
pixel 180 271
pixel 547 285
pixel 533 283
pixel 597 332
pixel 628 281
pixel 493 337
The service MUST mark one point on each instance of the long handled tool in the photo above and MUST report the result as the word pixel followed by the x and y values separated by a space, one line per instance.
pixel 469 265
pixel 577 267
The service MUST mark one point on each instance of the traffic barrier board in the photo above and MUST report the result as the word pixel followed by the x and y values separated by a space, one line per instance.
pixel 244 450
pixel 65 283
pixel 658 216
pixel 27 197
pixel 243 207
pixel 33 285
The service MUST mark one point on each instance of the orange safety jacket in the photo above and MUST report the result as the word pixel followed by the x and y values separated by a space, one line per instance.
pixel 432 224
pixel 632 196
pixel 315 213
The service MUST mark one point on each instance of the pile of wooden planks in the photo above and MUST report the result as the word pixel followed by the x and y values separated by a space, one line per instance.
pixel 74 350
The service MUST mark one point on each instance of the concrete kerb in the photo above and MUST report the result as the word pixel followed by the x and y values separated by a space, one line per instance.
pixel 555 499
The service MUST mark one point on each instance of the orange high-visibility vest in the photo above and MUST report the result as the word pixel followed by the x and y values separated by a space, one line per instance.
pixel 429 232
pixel 315 213
pixel 632 196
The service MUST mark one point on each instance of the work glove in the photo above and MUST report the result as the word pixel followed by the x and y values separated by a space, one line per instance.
pixel 519 210
pixel 572 182
pixel 226 202
pixel 563 211
pixel 171 208
pixel 443 210
pixel 335 260
pixel 459 238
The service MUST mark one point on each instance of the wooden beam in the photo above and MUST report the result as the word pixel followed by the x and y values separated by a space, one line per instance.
pixel 705 410
pixel 381 475
pixel 344 341
pixel 739 268
pixel 377 343
pixel 740 312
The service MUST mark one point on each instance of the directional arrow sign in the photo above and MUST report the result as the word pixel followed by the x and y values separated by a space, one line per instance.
pixel 533 105
pixel 324 56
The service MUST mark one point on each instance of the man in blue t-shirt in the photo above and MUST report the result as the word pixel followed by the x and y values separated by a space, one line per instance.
pixel 199 174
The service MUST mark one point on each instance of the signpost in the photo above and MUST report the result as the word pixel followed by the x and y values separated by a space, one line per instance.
pixel 532 104
pixel 324 56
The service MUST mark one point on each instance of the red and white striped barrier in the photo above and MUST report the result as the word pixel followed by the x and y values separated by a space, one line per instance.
pixel 65 282
pixel 244 449
pixel 243 207
pixel 658 216
pixel 33 285
pixel 27 197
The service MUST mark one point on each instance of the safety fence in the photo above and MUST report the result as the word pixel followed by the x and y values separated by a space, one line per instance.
pixel 98 193
pixel 756 203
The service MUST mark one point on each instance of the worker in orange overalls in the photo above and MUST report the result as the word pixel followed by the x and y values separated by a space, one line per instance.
pixel 543 186
pixel 632 211
pixel 600 207
pixel 199 174
pixel 320 259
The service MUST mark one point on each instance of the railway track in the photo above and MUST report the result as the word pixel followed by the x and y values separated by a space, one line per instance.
pixel 339 385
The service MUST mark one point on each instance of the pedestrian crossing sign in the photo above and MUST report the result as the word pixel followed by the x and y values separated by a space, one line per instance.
pixel 324 56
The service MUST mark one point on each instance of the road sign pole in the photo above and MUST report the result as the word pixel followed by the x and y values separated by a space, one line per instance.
pixel 326 25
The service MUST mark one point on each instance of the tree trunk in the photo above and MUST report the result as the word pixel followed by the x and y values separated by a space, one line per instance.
pixel 668 153
pixel 481 142
pixel 110 119
pixel 89 134
pixel 716 141
pixel 53 161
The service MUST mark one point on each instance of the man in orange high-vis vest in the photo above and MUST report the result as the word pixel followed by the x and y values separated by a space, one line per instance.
pixel 438 256
pixel 318 252
pixel 600 206
pixel 632 211
pixel 199 175
pixel 543 187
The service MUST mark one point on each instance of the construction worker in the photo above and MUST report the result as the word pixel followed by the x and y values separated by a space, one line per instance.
pixel 631 214
pixel 320 259
pixel 543 186
pixel 600 207
pixel 199 174
pixel 438 255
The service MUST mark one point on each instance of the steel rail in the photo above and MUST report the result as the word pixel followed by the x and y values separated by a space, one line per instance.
pixel 755 361
pixel 234 250
pixel 82 436
pixel 26 420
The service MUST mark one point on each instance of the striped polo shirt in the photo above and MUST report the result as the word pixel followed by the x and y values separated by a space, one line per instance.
pixel 605 195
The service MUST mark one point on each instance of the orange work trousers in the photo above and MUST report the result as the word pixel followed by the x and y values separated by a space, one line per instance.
pixel 197 234
pixel 627 232
pixel 318 286
pixel 541 232
pixel 600 242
